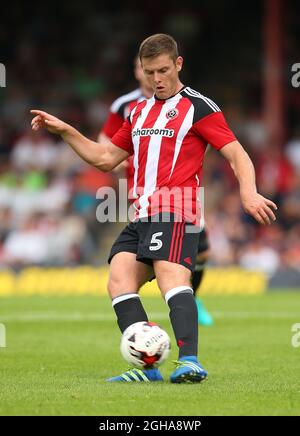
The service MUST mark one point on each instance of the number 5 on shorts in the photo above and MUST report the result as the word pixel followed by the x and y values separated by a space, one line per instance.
pixel 157 242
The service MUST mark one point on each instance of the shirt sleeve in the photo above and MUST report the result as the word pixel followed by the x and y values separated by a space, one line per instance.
pixel 214 130
pixel 113 123
pixel 123 138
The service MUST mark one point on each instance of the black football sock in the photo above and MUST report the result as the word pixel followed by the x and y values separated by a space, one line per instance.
pixel 129 310
pixel 184 320
pixel 197 276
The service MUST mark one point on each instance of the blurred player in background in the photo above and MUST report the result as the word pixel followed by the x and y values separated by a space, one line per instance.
pixel 119 111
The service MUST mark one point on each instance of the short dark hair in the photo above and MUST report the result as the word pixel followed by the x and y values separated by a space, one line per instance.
pixel 158 44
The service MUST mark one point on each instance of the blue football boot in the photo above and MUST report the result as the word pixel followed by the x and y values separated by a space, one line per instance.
pixel 188 370
pixel 138 375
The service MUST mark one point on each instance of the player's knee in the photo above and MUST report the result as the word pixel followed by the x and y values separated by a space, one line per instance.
pixel 171 275
pixel 114 286
pixel 118 285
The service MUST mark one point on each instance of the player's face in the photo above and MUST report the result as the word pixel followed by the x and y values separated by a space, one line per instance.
pixel 162 74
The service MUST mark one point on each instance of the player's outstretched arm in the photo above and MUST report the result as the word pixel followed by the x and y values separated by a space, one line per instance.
pixel 253 203
pixel 103 156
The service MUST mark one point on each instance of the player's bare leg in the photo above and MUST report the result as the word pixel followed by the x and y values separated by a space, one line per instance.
pixel 174 283
pixel 126 274
pixel 126 277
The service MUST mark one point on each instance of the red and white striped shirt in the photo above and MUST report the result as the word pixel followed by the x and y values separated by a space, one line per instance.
pixel 168 139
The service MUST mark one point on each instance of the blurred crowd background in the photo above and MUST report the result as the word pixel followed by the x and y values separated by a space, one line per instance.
pixel 73 60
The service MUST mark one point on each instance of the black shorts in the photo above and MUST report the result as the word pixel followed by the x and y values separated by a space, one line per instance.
pixel 203 244
pixel 170 241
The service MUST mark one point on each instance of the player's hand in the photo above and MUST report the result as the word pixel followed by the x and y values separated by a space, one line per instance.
pixel 47 121
pixel 259 208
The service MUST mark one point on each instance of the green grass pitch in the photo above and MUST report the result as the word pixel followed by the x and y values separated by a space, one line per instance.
pixel 60 350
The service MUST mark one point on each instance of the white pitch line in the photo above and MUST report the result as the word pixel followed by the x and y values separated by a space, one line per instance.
pixel 54 317
pixel 159 316
pixel 241 315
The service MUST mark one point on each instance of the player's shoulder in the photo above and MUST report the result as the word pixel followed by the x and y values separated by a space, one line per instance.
pixel 203 105
pixel 121 102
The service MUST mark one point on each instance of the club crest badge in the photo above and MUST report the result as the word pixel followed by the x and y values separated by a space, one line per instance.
pixel 172 114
